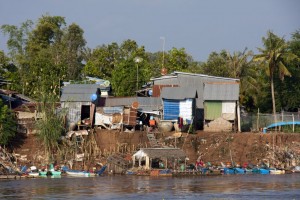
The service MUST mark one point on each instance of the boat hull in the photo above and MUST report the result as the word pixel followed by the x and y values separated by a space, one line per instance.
pixel 277 171
pixel 78 173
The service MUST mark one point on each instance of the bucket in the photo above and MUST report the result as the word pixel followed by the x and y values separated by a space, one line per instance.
pixel 264 130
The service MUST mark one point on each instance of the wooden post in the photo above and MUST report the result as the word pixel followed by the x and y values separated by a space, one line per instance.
pixel 257 120
pixel 293 123
pixel 239 116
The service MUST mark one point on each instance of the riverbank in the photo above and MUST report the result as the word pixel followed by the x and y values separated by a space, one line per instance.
pixel 279 149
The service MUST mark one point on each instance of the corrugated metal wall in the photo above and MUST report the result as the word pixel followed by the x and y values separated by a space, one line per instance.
pixel 212 110
pixel 171 109
pixel 74 110
pixel 178 108
pixel 196 81
pixel 216 109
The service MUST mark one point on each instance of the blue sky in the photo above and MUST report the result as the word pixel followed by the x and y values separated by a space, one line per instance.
pixel 199 26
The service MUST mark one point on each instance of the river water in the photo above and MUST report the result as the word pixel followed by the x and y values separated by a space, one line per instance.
pixel 252 186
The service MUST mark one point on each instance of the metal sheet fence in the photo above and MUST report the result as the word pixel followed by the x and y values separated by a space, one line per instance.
pixel 257 121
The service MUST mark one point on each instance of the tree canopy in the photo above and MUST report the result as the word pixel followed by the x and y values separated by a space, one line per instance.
pixel 274 59
pixel 43 54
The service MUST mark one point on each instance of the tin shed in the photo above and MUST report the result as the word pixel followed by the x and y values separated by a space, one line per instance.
pixel 191 80
pixel 221 106
pixel 147 156
pixel 179 102
pixel 77 98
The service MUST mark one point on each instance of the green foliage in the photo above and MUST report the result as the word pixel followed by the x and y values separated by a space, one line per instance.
pixel 51 126
pixel 288 91
pixel 177 60
pixel 44 53
pixel 102 61
pixel 216 64
pixel 124 79
pixel 273 59
pixel 8 124
pixel 73 47
pixel 18 37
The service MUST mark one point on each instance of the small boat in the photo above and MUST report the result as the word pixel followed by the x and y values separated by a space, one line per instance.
pixel 277 171
pixel 80 173
pixel 33 174
pixel 55 173
pixel 43 173
pixel 296 169
pixel 260 171
pixel 238 170
pixel 248 171
pixel 227 170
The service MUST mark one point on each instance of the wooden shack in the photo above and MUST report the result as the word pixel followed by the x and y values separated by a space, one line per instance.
pixel 151 158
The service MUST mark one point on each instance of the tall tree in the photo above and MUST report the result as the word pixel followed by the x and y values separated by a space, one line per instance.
pixel 17 46
pixel 102 61
pixel 9 72
pixel 129 72
pixel 289 90
pixel 74 44
pixel 273 58
pixel 8 124
pixel 178 60
pixel 17 38
pixel 216 65
pixel 237 62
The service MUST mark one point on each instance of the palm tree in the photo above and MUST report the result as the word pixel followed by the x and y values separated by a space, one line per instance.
pixel 237 62
pixel 273 58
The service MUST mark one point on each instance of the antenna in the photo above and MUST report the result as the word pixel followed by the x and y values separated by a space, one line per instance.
pixel 163 47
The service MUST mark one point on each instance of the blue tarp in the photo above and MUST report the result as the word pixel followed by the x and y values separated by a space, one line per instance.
pixel 283 124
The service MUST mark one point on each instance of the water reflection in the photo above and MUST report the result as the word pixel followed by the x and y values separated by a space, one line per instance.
pixel 145 187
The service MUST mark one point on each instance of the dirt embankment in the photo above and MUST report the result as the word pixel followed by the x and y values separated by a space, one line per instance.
pixel 212 147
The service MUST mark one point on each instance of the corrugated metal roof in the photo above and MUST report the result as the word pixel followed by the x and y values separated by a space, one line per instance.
pixel 120 101
pixel 206 76
pixel 78 92
pixel 183 79
pixel 178 93
pixel 149 103
pixel 163 152
pixel 221 91
pixel 165 80
pixel 145 103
